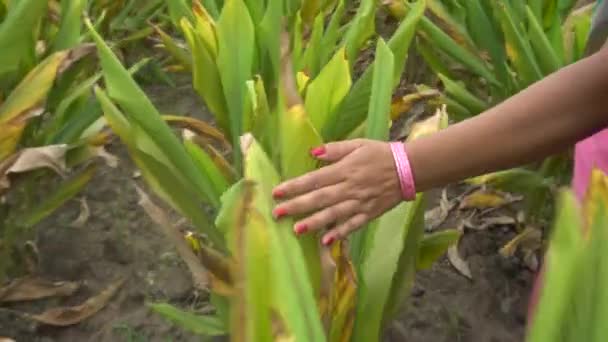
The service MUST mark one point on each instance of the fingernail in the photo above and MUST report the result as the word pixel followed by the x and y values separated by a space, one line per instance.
pixel 279 212
pixel 301 228
pixel 328 240
pixel 317 151
pixel 278 194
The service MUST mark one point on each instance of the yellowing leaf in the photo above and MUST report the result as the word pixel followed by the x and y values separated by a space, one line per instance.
pixel 328 90
pixel 10 135
pixel 407 102
pixel 483 199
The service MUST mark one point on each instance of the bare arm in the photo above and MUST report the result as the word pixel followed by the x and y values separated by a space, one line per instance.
pixel 546 118
pixel 362 183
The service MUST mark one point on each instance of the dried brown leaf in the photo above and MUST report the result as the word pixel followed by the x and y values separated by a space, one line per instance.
pixel 456 260
pixel 32 288
pixel 198 272
pixel 28 159
pixel 84 215
pixel 66 316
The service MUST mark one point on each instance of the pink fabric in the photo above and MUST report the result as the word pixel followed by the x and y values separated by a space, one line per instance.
pixel 588 154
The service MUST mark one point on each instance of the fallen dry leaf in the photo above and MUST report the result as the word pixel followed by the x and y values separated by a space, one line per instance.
pixel 66 316
pixel 28 159
pixel 198 272
pixel 84 215
pixel 110 159
pixel 32 288
pixel 6 339
pixel 458 263
pixel 436 216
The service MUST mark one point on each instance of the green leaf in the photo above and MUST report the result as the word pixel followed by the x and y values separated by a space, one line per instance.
pixel 562 264
pixel 235 61
pixel 17 35
pixel 292 292
pixel 68 35
pixel 353 109
pixel 543 50
pixel 432 246
pixel 197 324
pixel 56 199
pixel 137 106
pixel 518 47
pixel 327 91
pixel 378 118
pixel 206 166
pixel 457 91
pixel 310 61
pixel 360 30
pixel 332 34
pixel 179 9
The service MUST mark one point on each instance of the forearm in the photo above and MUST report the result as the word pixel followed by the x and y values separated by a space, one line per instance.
pixel 544 119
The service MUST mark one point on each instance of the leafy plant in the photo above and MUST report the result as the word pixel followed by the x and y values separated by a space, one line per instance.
pixel 573 300
pixel 274 97
pixel 48 116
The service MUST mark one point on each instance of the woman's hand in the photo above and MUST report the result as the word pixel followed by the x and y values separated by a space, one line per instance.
pixel 360 184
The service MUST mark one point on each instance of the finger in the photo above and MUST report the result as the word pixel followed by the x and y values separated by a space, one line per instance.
pixel 335 151
pixel 344 229
pixel 323 177
pixel 325 217
pixel 311 201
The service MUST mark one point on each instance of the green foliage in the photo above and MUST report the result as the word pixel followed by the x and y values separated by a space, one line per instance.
pixel 248 58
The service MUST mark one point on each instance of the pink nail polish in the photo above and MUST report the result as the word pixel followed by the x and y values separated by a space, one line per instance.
pixel 279 212
pixel 301 228
pixel 318 151
pixel 328 240
pixel 278 194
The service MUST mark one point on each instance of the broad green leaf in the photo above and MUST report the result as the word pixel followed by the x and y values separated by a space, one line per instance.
pixel 179 54
pixel 432 246
pixel 68 35
pixel 205 164
pixel 548 60
pixel 292 291
pixel 331 34
pixel 443 41
pixel 377 126
pixel 485 33
pixel 327 91
pixel 561 266
pixel 251 304
pixel 198 324
pixel 206 78
pixel 518 47
pixel 298 137
pixel 56 199
pixel 256 9
pixel 269 45
pixel 235 61
pixel 432 58
pixel 454 27
pixel 360 30
pixel 17 35
pixel 310 61
pixel 353 109
pixel 124 91
pixel 378 118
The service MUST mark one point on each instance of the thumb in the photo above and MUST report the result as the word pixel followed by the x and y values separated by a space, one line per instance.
pixel 335 151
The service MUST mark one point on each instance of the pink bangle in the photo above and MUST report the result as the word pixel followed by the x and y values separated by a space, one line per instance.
pixel 404 170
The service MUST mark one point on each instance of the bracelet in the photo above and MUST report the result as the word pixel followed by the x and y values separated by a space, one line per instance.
pixel 404 170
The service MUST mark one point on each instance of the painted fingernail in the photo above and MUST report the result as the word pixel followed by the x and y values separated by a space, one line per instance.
pixel 328 240
pixel 279 212
pixel 317 151
pixel 301 228
pixel 278 194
